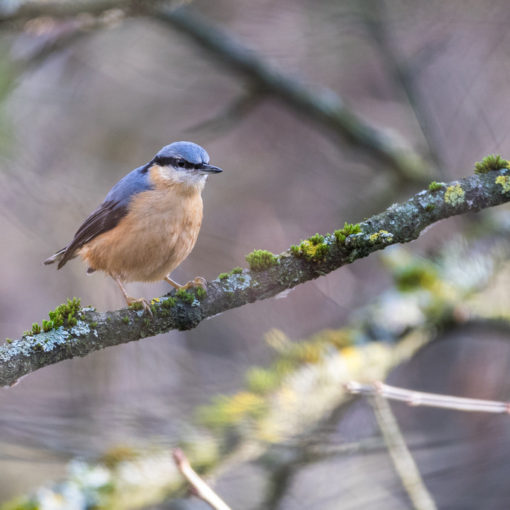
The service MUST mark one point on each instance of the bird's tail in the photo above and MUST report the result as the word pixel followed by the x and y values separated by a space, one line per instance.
pixel 57 257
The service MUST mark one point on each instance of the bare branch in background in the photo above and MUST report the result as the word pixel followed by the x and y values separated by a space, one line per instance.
pixel 418 398
pixel 374 19
pixel 238 109
pixel 320 104
pixel 403 461
pixel 199 487
pixel 269 275
pixel 55 41
pixel 237 442
pixel 35 9
pixel 77 20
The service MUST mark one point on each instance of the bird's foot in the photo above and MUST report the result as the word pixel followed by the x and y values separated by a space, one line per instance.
pixel 139 304
pixel 199 281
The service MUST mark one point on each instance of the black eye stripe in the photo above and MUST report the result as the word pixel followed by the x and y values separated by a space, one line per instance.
pixel 176 162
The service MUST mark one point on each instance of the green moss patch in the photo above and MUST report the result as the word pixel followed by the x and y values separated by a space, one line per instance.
pixel 258 260
pixel 435 186
pixel 200 293
pixel 349 229
pixel 65 314
pixel 312 249
pixel 490 163
pixel 185 296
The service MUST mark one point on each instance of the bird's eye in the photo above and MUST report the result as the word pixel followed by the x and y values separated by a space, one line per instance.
pixel 181 163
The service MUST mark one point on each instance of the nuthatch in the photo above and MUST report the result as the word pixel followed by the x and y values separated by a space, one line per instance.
pixel 148 222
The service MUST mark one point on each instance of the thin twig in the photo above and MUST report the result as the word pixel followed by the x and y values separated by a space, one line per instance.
pixel 200 488
pixel 418 398
pixel 403 461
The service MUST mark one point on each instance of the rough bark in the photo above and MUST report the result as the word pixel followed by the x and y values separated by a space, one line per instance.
pixel 400 223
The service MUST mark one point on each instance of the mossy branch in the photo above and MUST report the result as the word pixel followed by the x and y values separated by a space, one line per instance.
pixel 400 223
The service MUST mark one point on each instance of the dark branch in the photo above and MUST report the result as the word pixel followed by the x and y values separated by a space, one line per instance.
pixel 320 104
pixel 400 223
pixel 34 9
pixel 234 112
pixel 374 17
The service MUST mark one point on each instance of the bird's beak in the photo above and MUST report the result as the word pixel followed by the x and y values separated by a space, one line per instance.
pixel 210 169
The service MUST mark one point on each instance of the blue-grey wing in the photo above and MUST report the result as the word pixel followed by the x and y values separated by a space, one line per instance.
pixel 108 214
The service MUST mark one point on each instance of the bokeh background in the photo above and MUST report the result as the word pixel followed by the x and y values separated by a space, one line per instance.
pixel 75 117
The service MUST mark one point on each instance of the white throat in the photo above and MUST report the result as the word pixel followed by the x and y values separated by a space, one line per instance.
pixel 187 178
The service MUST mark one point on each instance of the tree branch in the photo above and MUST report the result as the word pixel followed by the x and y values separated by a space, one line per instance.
pixel 400 223
pixel 403 462
pixel 199 487
pixel 34 9
pixel 420 398
pixel 374 18
pixel 235 111
pixel 320 104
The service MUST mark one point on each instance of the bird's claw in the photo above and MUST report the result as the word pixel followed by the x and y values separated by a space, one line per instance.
pixel 135 304
pixel 198 281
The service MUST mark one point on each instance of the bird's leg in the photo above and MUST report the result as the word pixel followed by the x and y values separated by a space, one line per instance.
pixel 130 300
pixel 198 281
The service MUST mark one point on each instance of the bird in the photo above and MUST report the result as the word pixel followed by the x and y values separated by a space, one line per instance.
pixel 148 223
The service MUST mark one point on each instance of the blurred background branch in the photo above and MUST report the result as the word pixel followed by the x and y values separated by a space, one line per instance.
pixel 320 104
pixel 405 74
pixel 418 398
pixel 198 486
pixel 402 459
pixel 228 118
pixel 25 11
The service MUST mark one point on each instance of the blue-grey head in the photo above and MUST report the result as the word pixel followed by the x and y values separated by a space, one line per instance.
pixel 186 158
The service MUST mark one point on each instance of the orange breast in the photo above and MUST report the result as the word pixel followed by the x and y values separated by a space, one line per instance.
pixel 156 235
